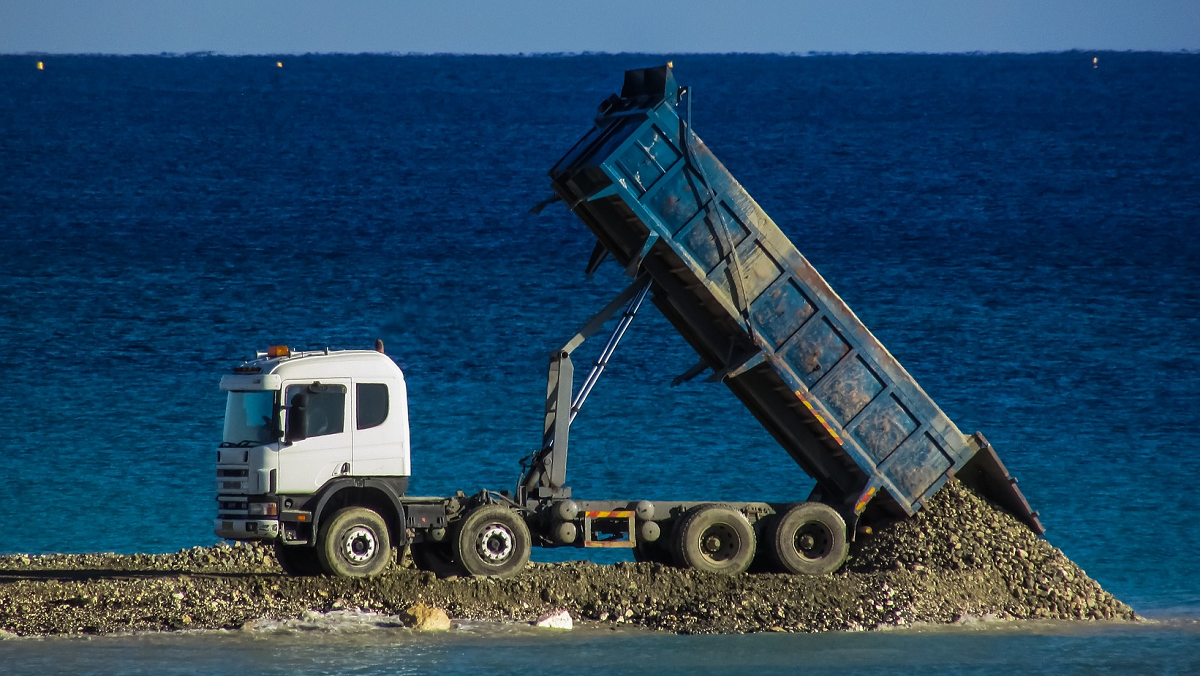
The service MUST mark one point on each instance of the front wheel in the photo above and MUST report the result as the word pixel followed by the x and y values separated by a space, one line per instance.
pixel 298 560
pixel 354 542
pixel 492 541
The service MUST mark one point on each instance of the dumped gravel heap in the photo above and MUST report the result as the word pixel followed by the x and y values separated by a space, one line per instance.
pixel 959 559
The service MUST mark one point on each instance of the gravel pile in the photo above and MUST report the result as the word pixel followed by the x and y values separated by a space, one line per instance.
pixel 960 532
pixel 959 559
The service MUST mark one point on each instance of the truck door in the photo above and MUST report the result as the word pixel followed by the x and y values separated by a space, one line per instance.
pixel 325 452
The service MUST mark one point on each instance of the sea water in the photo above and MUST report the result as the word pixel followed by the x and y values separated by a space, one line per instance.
pixel 380 646
pixel 1019 230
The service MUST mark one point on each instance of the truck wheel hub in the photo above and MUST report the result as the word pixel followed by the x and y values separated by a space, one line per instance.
pixel 360 544
pixel 719 543
pixel 813 541
pixel 495 543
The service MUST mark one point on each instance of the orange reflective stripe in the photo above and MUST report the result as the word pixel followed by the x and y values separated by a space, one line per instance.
pixel 827 426
pixel 864 499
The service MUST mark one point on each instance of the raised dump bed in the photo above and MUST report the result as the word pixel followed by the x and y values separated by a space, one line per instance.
pixel 760 316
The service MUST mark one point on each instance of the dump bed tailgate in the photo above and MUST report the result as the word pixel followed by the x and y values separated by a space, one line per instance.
pixel 760 316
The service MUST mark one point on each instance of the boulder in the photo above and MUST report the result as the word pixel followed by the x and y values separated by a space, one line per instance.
pixel 425 618
pixel 559 619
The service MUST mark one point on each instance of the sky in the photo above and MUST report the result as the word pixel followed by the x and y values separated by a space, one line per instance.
pixel 541 26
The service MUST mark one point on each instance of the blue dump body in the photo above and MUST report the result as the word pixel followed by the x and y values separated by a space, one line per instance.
pixel 760 316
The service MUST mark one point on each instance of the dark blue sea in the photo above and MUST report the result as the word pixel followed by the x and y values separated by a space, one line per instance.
pixel 1022 231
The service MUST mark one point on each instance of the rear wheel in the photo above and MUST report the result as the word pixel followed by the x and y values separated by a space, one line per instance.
pixel 492 541
pixel 652 552
pixel 764 560
pixel 809 538
pixel 716 539
pixel 354 542
pixel 297 560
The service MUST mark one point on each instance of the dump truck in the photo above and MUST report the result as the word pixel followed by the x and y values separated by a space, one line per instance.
pixel 315 453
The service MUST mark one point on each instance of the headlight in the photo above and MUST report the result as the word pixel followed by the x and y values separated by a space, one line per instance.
pixel 263 509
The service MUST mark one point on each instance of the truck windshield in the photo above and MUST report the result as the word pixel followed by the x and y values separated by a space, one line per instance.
pixel 249 418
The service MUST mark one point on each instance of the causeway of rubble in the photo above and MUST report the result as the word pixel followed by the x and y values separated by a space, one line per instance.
pixel 959 559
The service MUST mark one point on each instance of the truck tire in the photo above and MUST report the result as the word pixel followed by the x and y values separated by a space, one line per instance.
pixel 354 542
pixel 434 557
pixel 492 541
pixel 298 560
pixel 652 552
pixel 715 539
pixel 809 538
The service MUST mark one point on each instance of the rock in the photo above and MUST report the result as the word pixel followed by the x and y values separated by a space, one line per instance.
pixel 559 619
pixel 426 618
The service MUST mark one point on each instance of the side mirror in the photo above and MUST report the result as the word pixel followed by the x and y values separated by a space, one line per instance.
pixel 297 419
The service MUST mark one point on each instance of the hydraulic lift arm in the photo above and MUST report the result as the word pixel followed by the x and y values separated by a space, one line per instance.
pixel 546 474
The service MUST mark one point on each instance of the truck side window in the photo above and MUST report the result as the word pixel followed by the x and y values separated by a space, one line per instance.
pixel 372 404
pixel 326 408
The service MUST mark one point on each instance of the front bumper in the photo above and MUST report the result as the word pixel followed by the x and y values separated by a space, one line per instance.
pixel 247 529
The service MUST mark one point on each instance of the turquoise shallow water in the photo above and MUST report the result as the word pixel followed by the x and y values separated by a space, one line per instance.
pixel 1019 230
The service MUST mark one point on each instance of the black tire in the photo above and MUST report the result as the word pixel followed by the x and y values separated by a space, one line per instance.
pixel 764 559
pixel 715 539
pixel 298 560
pixel 492 541
pixel 652 552
pixel 435 557
pixel 354 542
pixel 809 538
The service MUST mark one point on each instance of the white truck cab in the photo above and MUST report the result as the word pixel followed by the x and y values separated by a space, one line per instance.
pixel 307 432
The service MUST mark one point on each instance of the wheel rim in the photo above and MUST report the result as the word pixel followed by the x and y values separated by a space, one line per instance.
pixel 360 544
pixel 719 543
pixel 495 543
pixel 813 541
